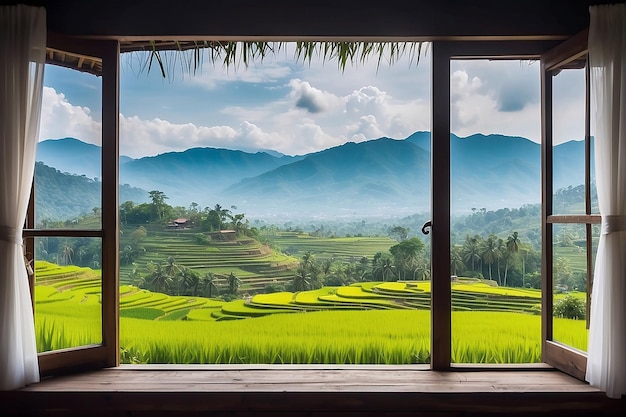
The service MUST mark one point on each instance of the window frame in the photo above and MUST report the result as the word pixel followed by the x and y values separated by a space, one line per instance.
pixel 558 355
pixel 107 353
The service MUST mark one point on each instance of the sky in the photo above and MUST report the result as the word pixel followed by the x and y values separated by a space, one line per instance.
pixel 299 107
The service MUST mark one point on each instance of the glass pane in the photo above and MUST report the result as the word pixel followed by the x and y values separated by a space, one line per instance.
pixel 496 212
pixel 68 168
pixel 271 192
pixel 569 141
pixel 570 285
pixel 68 287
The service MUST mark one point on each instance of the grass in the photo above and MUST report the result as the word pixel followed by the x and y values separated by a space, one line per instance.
pixel 373 323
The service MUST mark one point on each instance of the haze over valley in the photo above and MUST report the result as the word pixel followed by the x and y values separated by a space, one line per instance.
pixel 376 178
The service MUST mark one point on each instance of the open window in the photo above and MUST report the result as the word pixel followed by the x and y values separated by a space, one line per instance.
pixel 90 240
pixel 570 211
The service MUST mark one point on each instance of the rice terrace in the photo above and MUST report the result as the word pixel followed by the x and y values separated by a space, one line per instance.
pixel 229 298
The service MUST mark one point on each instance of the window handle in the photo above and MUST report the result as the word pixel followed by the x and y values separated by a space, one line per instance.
pixel 427 225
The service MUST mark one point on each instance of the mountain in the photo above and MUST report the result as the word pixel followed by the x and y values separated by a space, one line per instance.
pixel 62 196
pixel 73 156
pixel 375 177
pixel 349 178
pixel 197 173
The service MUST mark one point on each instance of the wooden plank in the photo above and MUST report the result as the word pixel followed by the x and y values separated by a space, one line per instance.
pixel 567 52
pixel 110 199
pixel 575 219
pixel 284 380
pixel 441 292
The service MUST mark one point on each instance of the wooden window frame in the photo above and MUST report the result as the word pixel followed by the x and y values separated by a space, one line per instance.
pixel 105 354
pixel 558 355
pixel 443 51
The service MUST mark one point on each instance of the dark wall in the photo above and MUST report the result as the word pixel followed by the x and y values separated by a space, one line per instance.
pixel 318 18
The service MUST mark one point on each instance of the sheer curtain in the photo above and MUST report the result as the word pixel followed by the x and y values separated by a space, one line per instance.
pixel 22 60
pixel 606 360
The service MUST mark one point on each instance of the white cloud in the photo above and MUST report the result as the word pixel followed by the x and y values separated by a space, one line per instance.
pixel 475 108
pixel 211 75
pixel 60 119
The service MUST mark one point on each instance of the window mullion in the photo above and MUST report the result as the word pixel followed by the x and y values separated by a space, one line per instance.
pixel 110 204
pixel 546 207
pixel 440 353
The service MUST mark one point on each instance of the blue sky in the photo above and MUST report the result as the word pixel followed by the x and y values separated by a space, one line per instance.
pixel 296 108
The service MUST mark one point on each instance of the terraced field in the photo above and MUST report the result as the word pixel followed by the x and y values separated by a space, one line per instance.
pixel 69 283
pixel 340 248
pixel 339 327
pixel 255 264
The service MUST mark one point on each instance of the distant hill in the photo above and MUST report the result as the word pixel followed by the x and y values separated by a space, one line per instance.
pixel 73 156
pixel 198 174
pixel 62 196
pixel 352 178
pixel 375 177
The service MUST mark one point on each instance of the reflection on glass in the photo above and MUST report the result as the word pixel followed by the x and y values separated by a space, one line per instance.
pixel 570 285
pixel 68 287
pixel 568 139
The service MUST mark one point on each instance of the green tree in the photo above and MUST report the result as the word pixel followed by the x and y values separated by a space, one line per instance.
pixel 301 280
pixel 399 233
pixel 456 260
pixel 158 204
pixel 66 254
pixel 406 255
pixel 384 268
pixel 233 283
pixel 512 248
pixel 490 252
pixel 471 250
pixel 189 281
pixel 570 307
pixel 209 285
pixel 157 279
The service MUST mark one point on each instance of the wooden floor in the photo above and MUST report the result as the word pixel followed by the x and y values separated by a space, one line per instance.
pixel 309 391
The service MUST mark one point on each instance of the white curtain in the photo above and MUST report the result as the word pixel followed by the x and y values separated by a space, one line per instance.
pixel 22 61
pixel 606 360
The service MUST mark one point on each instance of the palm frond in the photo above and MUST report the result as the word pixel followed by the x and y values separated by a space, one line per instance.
pixel 189 56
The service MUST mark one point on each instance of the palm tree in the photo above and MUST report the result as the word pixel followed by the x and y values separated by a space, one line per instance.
pixel 512 247
pixel 490 252
pixel 471 250
pixel 127 255
pixel 208 284
pixel 171 268
pixel 456 260
pixel 157 278
pixel 189 280
pixel 384 268
pixel 66 254
pixel 82 251
pixel 233 283
pixel 301 280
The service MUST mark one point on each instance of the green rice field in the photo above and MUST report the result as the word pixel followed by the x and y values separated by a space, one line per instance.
pixel 365 323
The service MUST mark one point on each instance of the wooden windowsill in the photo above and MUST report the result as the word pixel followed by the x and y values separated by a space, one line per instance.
pixel 309 390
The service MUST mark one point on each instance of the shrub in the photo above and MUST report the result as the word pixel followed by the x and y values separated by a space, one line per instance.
pixel 570 307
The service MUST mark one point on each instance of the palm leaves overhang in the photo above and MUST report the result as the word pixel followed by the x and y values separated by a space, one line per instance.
pixel 170 56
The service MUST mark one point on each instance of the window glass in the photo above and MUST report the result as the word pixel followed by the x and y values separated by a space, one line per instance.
pixel 68 287
pixel 568 141
pixel 570 285
pixel 68 168
pixel 496 212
